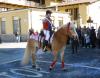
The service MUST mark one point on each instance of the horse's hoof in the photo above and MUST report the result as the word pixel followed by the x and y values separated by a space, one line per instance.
pixel 33 66
pixel 64 69
pixel 38 69
pixel 50 68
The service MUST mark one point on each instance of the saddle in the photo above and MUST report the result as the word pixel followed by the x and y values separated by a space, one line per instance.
pixel 47 44
pixel 44 44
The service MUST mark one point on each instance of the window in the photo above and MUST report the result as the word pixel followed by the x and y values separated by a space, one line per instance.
pixel 66 10
pixel 76 11
pixel 3 21
pixel 16 25
pixel 60 22
pixel 42 2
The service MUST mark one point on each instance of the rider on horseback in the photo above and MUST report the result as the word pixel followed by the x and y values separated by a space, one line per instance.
pixel 47 27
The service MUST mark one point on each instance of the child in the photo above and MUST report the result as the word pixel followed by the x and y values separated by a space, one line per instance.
pixel 87 40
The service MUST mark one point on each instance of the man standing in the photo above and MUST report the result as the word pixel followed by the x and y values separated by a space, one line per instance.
pixel 93 37
pixel 98 37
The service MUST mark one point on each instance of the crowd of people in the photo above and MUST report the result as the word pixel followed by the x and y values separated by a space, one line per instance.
pixel 88 37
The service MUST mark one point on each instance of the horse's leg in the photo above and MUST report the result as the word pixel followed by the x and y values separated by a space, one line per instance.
pixel 62 60
pixel 33 58
pixel 33 52
pixel 54 60
pixel 72 46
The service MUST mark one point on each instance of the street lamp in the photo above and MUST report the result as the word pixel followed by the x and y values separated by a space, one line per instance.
pixel 89 21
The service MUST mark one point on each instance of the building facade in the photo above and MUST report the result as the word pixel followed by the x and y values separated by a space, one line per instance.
pixel 80 11
pixel 22 20
pixel 6 5
pixel 93 11
pixel 12 22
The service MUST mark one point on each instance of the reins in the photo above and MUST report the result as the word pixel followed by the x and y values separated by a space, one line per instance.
pixel 68 27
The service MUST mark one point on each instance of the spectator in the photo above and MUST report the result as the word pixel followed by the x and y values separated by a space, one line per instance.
pixel 87 41
pixel 17 37
pixel 98 37
pixel 74 44
pixel 84 31
pixel 78 30
pixel 93 37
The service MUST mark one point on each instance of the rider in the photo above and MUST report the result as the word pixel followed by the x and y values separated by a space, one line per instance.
pixel 47 26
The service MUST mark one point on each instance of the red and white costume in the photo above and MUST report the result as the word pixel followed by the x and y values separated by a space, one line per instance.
pixel 47 27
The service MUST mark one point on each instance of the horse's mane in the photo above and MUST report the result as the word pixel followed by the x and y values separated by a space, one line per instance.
pixel 60 34
pixel 62 30
pixel 65 25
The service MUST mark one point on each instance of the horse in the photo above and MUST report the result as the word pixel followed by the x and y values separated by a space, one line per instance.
pixel 59 40
pixel 30 50
pixel 58 43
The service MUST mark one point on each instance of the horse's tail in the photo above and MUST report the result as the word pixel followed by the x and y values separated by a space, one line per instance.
pixel 28 51
pixel 26 56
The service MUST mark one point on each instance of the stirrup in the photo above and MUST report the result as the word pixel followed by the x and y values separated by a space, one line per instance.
pixel 45 49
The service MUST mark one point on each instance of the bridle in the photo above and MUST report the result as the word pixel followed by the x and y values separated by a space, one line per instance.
pixel 68 27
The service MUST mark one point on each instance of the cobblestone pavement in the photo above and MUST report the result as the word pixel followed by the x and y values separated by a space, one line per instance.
pixel 13 45
pixel 85 64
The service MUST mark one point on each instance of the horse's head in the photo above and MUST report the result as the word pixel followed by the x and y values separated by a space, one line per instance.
pixel 70 28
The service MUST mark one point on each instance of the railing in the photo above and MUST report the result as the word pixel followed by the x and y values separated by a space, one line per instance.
pixel 3 0
pixel 30 3
pixel 25 3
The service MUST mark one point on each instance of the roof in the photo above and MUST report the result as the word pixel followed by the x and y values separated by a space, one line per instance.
pixel 76 2
pixel 15 5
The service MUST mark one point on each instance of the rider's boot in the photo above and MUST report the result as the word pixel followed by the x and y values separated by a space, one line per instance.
pixel 45 44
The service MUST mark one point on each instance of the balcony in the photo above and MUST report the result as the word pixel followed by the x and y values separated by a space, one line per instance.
pixel 22 2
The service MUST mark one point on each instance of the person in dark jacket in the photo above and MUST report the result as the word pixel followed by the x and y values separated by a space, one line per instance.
pixel 93 37
pixel 78 30
pixel 98 37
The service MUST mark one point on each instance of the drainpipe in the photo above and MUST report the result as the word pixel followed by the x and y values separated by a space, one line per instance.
pixel 40 2
pixel 31 18
pixel 56 8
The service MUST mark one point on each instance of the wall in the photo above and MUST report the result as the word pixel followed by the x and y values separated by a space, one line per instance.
pixel 83 14
pixel 94 12
pixel 9 15
pixel 30 18
pixel 38 16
